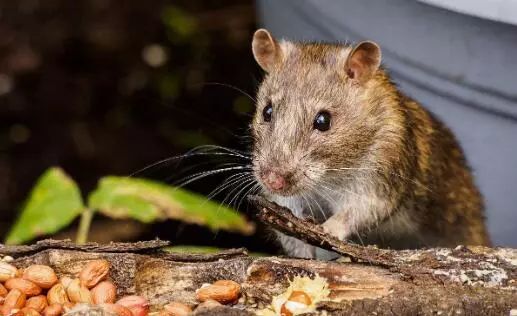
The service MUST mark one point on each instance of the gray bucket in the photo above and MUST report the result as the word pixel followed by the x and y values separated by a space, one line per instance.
pixel 462 68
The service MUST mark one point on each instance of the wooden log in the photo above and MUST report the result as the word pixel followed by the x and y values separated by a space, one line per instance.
pixel 461 281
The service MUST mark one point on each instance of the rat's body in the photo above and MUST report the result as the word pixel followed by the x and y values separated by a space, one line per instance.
pixel 336 140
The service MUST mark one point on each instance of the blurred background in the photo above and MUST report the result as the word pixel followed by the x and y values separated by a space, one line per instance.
pixel 108 87
pixel 105 87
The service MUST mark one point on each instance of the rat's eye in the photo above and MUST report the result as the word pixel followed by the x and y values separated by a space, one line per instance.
pixel 322 121
pixel 267 112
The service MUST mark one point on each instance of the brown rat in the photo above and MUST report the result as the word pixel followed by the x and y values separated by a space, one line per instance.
pixel 335 140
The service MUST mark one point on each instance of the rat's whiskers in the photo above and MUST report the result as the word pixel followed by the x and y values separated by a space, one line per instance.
pixel 228 182
pixel 231 87
pixel 203 174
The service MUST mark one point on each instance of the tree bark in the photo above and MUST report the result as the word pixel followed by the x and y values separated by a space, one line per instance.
pixel 441 281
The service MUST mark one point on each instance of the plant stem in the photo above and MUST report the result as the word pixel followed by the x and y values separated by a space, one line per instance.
pixel 84 226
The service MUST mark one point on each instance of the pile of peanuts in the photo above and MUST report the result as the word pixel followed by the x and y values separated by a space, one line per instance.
pixel 37 290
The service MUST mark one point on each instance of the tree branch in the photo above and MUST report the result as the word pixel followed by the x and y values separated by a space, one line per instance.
pixel 282 219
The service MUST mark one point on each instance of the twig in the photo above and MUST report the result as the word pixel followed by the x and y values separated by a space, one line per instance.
pixel 283 220
pixel 149 246
pixel 84 226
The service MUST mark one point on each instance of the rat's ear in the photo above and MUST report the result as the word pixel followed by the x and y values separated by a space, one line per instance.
pixel 363 61
pixel 266 50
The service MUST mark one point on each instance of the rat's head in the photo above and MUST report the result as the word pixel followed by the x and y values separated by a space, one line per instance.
pixel 317 111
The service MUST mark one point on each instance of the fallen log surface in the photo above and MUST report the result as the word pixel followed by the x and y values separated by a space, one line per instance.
pixel 438 281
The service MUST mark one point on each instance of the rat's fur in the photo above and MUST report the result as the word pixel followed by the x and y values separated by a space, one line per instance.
pixel 387 172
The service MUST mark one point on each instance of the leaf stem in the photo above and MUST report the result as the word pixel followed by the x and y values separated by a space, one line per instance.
pixel 84 226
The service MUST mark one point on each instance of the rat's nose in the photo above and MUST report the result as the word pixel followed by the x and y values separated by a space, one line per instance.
pixel 274 181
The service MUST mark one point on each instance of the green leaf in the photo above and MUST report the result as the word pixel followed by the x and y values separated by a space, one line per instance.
pixel 149 201
pixel 53 203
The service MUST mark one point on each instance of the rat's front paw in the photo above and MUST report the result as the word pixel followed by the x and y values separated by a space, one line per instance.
pixel 334 228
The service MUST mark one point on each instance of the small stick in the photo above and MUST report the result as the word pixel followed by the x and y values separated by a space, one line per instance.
pixel 84 226
pixel 283 220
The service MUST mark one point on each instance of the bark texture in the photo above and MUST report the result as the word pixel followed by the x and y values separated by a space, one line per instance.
pixel 459 281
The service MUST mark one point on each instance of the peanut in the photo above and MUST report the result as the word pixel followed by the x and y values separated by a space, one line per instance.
pixel 119 310
pixel 15 299
pixel 104 292
pixel 284 311
pixel 5 310
pixel 94 272
pixel 9 311
pixel 26 286
pixel 177 309
pixel 53 310
pixel 78 293
pixel 37 302
pixel 3 290
pixel 7 271
pixel 65 281
pixel 300 297
pixel 43 276
pixel 138 305
pixel 297 302
pixel 222 291
pixel 27 311
pixel 68 306
pixel 57 295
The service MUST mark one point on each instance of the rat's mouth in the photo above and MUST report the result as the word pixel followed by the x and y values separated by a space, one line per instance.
pixel 284 193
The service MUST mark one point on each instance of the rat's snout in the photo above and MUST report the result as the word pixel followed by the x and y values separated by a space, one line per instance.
pixel 275 180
